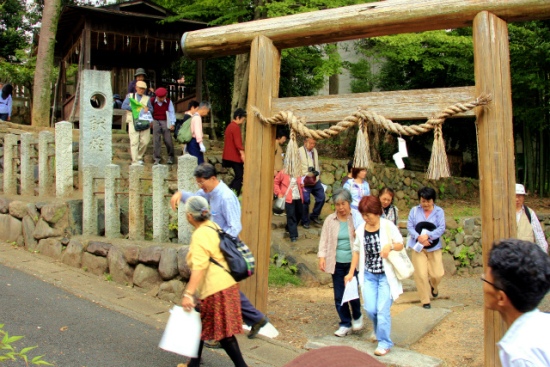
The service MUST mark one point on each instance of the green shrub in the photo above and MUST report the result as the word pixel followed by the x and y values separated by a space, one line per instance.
pixel 9 353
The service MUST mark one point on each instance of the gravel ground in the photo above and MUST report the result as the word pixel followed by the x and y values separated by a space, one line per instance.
pixel 301 313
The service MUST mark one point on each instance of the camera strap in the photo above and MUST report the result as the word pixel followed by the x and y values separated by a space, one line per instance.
pixel 312 157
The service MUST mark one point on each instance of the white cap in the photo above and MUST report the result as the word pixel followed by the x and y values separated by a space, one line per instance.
pixel 520 189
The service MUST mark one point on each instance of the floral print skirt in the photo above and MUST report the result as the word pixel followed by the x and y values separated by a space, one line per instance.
pixel 221 314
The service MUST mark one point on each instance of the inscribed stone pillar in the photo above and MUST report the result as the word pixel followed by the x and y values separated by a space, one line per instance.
pixel 89 201
pixel 63 159
pixel 95 120
pixel 45 163
pixel 135 204
pixel 27 171
pixel 112 206
pixel 186 181
pixel 160 208
pixel 10 178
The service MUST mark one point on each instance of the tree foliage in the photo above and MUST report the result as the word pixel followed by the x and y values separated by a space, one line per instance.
pixel 440 59
pixel 12 28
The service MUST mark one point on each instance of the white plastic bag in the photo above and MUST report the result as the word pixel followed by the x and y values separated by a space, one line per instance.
pixel 183 332
pixel 145 115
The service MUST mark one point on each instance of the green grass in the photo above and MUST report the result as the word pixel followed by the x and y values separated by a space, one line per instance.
pixel 460 209
pixel 279 277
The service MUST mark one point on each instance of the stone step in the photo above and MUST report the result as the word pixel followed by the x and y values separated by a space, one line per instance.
pixel 399 357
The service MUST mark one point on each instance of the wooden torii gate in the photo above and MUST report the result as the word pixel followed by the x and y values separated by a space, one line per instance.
pixel 265 38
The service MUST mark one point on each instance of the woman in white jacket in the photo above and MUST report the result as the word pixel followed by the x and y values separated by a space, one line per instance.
pixel 380 287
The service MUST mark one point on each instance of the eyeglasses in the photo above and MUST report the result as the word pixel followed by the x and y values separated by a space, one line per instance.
pixel 201 183
pixel 488 282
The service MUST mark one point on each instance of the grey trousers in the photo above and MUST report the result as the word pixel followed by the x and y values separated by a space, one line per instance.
pixel 160 129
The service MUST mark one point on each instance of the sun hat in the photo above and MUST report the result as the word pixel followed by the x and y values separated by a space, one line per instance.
pixel 140 71
pixel 520 189
pixel 141 84
pixel 161 92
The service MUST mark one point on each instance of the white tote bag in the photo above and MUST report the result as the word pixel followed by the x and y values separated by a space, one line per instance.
pixel 402 265
pixel 183 333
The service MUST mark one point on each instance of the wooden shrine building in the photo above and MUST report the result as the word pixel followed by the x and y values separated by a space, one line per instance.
pixel 119 38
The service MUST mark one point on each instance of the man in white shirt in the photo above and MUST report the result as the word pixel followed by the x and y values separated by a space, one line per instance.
pixel 515 281
pixel 529 228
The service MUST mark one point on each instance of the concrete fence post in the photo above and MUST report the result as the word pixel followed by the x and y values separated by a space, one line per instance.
pixel 160 207
pixel 89 202
pixel 10 177
pixel 112 204
pixel 45 163
pixel 63 159
pixel 186 181
pixel 135 203
pixel 27 171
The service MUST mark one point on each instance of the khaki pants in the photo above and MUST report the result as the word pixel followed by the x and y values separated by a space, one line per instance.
pixel 138 142
pixel 428 271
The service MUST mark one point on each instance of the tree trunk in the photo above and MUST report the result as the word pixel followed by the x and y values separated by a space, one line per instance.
pixel 240 82
pixel 240 86
pixel 43 74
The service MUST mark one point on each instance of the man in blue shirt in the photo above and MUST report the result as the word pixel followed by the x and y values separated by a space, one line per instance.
pixel 226 212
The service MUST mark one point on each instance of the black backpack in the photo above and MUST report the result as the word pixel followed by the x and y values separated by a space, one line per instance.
pixel 238 256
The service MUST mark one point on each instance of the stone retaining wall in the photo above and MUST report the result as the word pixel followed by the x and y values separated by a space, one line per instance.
pixel 462 243
pixel 52 228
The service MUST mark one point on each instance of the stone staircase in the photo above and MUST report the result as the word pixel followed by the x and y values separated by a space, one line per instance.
pixel 302 254
pixel 123 158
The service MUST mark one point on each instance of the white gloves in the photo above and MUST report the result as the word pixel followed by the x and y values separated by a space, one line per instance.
pixel 203 148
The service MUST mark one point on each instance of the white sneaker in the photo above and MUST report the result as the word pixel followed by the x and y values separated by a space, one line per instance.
pixel 343 331
pixel 357 324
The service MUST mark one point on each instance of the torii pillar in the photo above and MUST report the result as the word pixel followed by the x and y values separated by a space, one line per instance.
pixel 496 151
pixel 265 64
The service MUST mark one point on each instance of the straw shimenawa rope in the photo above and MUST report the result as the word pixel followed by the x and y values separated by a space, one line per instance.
pixel 299 124
pixel 439 166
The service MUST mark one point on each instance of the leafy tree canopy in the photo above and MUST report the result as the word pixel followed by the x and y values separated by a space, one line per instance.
pixel 12 28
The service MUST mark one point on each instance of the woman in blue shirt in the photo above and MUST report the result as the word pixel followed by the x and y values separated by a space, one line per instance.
pixel 6 102
pixel 426 225
pixel 358 185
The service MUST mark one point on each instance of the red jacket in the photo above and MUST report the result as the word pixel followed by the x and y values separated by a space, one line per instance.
pixel 281 183
pixel 232 143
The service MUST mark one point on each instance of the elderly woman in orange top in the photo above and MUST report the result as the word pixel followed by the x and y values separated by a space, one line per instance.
pixel 290 188
pixel 211 285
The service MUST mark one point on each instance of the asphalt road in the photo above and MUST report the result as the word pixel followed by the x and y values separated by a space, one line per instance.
pixel 73 332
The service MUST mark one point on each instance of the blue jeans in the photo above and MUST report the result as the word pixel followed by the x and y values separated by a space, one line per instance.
pixel 340 271
pixel 319 194
pixel 377 302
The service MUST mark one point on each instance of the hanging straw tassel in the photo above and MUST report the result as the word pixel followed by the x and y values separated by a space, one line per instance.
pixel 362 153
pixel 439 166
pixel 292 163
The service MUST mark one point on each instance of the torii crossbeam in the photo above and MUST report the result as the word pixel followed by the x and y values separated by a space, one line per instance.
pixel 264 39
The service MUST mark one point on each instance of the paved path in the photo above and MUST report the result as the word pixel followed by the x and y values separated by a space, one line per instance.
pixel 71 331
pixel 80 320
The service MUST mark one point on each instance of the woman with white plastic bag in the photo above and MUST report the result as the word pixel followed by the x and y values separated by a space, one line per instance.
pixel 380 287
pixel 210 286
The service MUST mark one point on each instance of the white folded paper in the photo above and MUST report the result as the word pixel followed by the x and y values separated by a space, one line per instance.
pixel 402 147
pixel 418 247
pixel 183 333
pixel 350 292
pixel 398 160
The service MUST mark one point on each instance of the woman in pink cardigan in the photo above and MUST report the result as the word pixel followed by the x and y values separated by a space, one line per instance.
pixel 291 189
